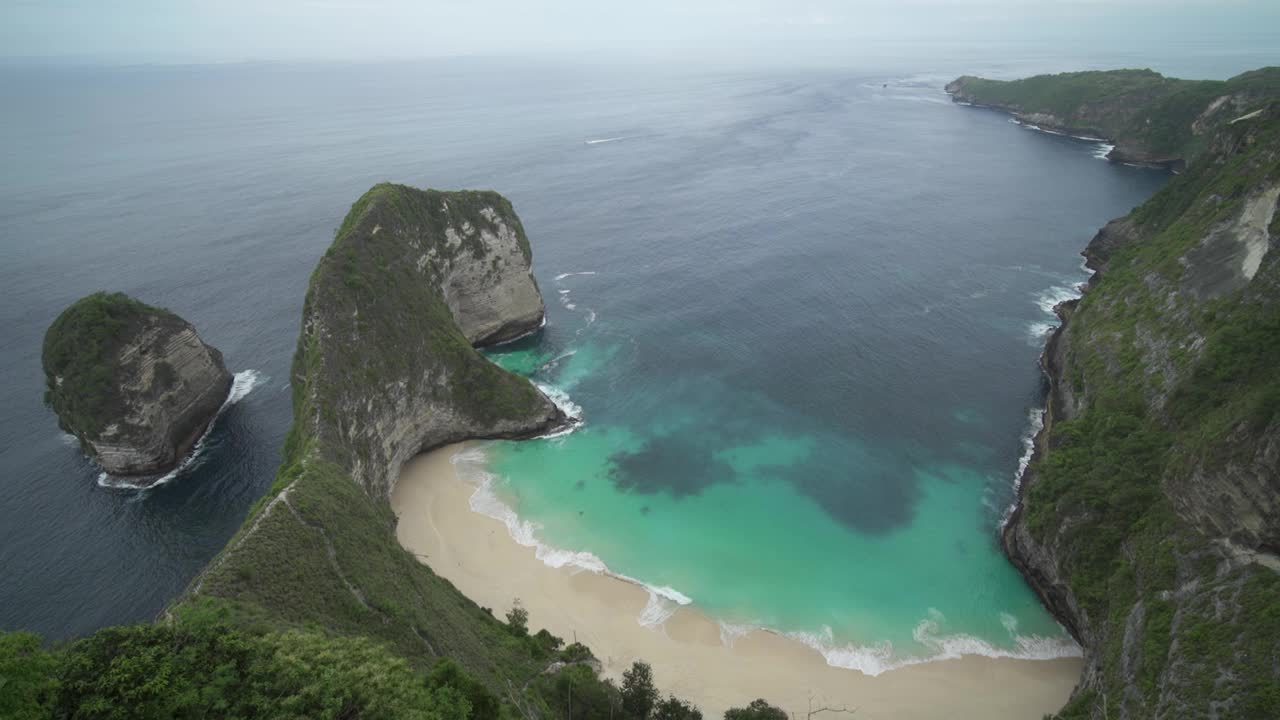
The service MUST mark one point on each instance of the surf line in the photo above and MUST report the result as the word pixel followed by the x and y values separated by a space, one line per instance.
pixel 242 384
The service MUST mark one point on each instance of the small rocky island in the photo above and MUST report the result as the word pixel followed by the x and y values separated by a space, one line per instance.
pixel 134 383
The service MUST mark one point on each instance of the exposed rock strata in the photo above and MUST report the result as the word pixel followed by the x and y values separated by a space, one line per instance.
pixel 386 368
pixel 135 384
pixel 1168 341
pixel 413 281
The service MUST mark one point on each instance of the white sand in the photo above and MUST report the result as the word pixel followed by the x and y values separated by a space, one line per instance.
pixel 689 659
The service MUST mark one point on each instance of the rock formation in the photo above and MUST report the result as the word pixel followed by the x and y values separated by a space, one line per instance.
pixel 385 369
pixel 1152 120
pixel 1149 519
pixel 134 383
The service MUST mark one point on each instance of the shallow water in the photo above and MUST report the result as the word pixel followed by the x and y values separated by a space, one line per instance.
pixel 803 310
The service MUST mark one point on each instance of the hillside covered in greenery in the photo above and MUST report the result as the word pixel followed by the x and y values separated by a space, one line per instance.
pixel 80 361
pixel 1151 118
pixel 314 610
pixel 1150 517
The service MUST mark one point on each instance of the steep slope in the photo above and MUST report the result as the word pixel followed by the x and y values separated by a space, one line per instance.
pixel 1148 519
pixel 134 383
pixel 1153 120
pixel 385 369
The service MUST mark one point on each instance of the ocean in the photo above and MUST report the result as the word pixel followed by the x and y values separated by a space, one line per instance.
pixel 799 312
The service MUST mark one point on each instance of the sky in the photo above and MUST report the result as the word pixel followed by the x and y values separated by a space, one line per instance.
pixel 761 30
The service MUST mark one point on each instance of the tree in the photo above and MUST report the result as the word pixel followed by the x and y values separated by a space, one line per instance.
pixel 448 674
pixel 518 620
pixel 638 692
pixel 757 710
pixel 26 677
pixel 673 708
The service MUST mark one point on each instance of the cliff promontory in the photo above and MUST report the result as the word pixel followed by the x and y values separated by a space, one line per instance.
pixel 386 368
pixel 1152 120
pixel 1149 519
pixel 134 383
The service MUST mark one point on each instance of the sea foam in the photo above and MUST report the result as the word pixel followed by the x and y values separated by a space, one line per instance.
pixel 470 466
pixel 877 659
pixel 242 384
pixel 664 601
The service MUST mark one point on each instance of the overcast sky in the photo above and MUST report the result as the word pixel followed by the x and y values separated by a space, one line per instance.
pixel 791 30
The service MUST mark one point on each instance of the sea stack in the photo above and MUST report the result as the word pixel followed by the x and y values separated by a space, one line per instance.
pixel 134 383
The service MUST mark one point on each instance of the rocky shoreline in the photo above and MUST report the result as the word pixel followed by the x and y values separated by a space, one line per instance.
pixel 1123 151
pixel 1144 515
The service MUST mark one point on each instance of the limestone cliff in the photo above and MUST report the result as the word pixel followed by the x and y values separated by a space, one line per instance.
pixel 385 368
pixel 134 383
pixel 1152 120
pixel 1149 518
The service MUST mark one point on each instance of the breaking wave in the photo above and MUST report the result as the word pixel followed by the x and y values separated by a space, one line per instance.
pixel 877 659
pixel 470 467
pixel 242 384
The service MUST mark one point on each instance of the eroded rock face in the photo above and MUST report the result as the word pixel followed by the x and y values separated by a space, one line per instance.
pixel 414 280
pixel 494 300
pixel 134 383
pixel 1170 344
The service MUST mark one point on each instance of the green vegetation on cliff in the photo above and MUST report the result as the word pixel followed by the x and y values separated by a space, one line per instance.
pixel 378 340
pixel 79 357
pixel 1154 489
pixel 1153 118
pixel 314 610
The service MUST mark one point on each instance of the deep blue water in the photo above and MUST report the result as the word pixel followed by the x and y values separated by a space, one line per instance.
pixel 872 260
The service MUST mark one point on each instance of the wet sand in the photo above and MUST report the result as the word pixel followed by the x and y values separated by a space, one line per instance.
pixel 689 657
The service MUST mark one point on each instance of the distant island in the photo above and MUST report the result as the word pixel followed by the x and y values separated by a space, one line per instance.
pixel 133 383
pixel 1149 520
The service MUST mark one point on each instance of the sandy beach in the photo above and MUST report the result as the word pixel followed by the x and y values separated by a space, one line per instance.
pixel 688 655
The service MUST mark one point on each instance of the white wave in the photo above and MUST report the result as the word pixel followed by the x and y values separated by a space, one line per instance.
pixel 591 316
pixel 1035 423
pixel 656 611
pixel 1051 131
pixel 1037 331
pixel 730 632
pixel 601 141
pixel 541 324
pixel 562 401
pixel 664 601
pixel 1103 150
pixel 563 292
pixel 68 439
pixel 242 383
pixel 555 361
pixel 562 276
pixel 570 306
pixel 470 466
pixel 877 659
pixel 1050 298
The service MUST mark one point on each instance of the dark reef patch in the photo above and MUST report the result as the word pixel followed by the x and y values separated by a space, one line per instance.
pixel 674 464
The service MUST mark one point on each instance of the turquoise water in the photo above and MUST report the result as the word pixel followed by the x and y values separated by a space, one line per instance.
pixel 731 533
pixel 805 359
pixel 806 394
